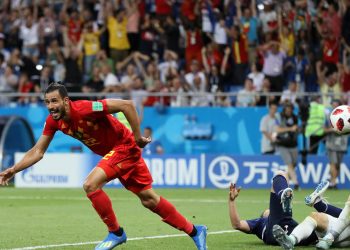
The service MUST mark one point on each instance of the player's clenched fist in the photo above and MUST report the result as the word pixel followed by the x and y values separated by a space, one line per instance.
pixel 143 141
pixel 6 175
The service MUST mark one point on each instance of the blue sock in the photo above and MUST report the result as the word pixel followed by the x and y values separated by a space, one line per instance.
pixel 323 207
pixel 279 183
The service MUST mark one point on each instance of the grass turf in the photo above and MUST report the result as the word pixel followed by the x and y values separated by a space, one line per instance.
pixel 42 217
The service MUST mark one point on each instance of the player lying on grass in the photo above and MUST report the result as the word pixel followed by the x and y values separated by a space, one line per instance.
pixel 91 123
pixel 335 231
pixel 279 212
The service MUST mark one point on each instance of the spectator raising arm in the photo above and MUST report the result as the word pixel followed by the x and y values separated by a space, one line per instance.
pixel 224 61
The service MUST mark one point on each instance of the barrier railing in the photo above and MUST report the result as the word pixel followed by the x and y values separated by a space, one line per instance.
pixel 212 96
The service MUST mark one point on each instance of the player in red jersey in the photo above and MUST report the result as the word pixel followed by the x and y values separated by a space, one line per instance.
pixel 91 123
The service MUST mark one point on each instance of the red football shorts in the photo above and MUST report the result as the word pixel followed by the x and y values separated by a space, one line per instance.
pixel 132 172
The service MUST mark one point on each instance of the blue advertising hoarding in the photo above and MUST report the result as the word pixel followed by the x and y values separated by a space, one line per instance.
pixel 183 171
pixel 218 171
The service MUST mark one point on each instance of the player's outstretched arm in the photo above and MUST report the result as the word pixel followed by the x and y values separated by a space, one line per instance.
pixel 129 110
pixel 34 155
pixel 236 222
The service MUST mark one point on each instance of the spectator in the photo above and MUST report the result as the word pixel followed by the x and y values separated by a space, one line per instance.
pixel 138 94
pixel 154 147
pixel 333 18
pixel 91 44
pixel 73 75
pixel 163 8
pixel 240 55
pixel 222 100
pixel 257 76
pixel 150 74
pixel 159 101
pixel 273 64
pixel 249 24
pixel 44 79
pixel 172 34
pixel 169 66
pixel 195 72
pixel 268 18
pixel 286 141
pixel 10 80
pixel 47 28
pixel 12 27
pixel 264 97
pixel 194 46
pixel 315 124
pixel 286 37
pixel 110 81
pixel 27 86
pixel 55 58
pixel 296 68
pixel 29 33
pixel 132 27
pixel 102 59
pixel 150 29
pixel 267 128
pixel 95 83
pixel 179 89
pixel 199 95
pixel 220 32
pixel 211 55
pixel 290 95
pixel 247 96
pixel 73 24
pixel 116 22
pixel 3 49
pixel 328 79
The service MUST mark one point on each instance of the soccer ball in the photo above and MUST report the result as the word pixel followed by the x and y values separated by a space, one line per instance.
pixel 340 119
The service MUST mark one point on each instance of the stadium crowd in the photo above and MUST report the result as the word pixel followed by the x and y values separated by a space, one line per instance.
pixel 194 50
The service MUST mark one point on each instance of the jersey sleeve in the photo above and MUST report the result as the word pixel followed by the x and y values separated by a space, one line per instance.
pixel 254 224
pixel 50 126
pixel 93 108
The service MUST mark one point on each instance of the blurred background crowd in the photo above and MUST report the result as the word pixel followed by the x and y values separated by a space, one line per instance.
pixel 178 52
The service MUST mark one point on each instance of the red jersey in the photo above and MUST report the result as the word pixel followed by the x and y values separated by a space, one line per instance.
pixel 331 51
pixel 100 131
pixel 74 30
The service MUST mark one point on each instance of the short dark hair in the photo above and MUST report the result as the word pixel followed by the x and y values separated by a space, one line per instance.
pixel 57 86
pixel 149 128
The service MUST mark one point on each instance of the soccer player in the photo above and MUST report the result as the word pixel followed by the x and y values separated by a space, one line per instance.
pixel 328 227
pixel 279 212
pixel 91 123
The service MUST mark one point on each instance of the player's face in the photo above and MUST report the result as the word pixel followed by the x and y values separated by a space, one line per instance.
pixel 56 105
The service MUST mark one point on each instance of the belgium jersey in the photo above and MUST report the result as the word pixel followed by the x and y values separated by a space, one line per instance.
pixel 100 131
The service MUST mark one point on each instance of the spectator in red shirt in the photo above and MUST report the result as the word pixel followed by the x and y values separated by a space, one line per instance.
pixel 194 46
pixel 163 8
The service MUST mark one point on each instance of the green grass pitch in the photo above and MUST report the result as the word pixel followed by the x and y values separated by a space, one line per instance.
pixel 46 217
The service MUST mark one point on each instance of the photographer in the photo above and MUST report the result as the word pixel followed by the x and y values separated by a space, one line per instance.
pixel 336 146
pixel 286 140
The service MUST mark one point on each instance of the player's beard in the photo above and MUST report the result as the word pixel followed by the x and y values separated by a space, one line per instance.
pixel 58 113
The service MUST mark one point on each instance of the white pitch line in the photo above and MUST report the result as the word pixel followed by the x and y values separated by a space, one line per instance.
pixel 132 199
pixel 130 239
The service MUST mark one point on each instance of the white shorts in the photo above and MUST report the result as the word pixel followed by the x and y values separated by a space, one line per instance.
pixel 344 238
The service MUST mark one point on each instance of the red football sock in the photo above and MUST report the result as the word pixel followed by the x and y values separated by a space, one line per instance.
pixel 103 206
pixel 170 215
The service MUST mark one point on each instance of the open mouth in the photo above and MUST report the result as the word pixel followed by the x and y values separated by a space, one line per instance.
pixel 54 113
